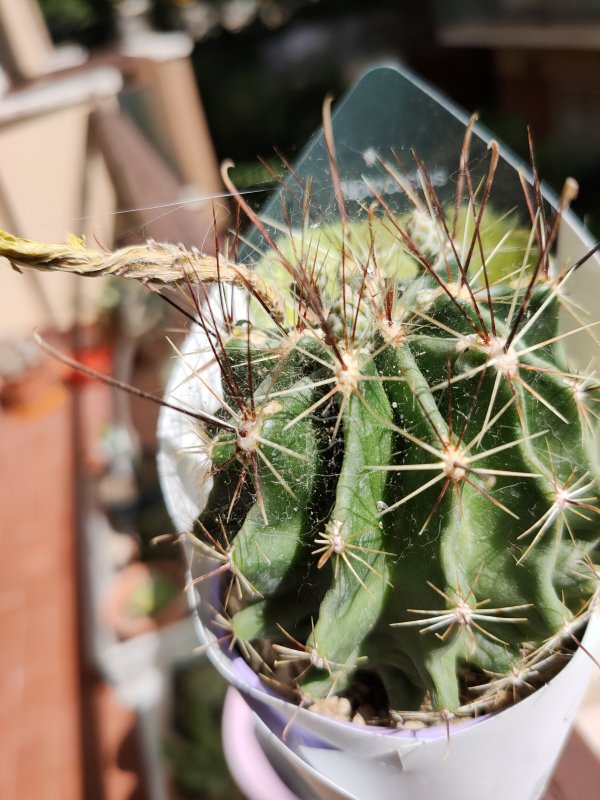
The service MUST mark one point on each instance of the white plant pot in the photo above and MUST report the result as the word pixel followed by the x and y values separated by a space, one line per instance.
pixel 511 754
pixel 507 755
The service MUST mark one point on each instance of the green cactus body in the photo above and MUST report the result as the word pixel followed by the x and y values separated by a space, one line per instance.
pixel 431 482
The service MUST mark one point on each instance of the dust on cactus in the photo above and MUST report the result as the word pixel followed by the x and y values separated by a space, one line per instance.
pixel 403 465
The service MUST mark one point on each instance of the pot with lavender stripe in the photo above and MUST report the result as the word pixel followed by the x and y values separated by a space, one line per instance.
pixel 406 485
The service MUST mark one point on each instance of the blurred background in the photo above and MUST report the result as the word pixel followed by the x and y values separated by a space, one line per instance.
pixel 114 117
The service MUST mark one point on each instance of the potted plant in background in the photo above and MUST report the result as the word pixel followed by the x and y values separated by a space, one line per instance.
pixel 391 461
pixel 144 596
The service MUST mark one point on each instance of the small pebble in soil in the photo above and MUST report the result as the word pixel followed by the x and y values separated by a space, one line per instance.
pixel 334 707
pixel 413 725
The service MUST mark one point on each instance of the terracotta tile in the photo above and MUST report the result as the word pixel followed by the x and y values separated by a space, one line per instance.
pixel 577 776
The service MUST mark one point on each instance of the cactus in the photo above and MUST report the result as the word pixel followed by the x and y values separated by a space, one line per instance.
pixel 404 470
pixel 434 454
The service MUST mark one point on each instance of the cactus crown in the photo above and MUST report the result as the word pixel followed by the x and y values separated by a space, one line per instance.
pixel 405 479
